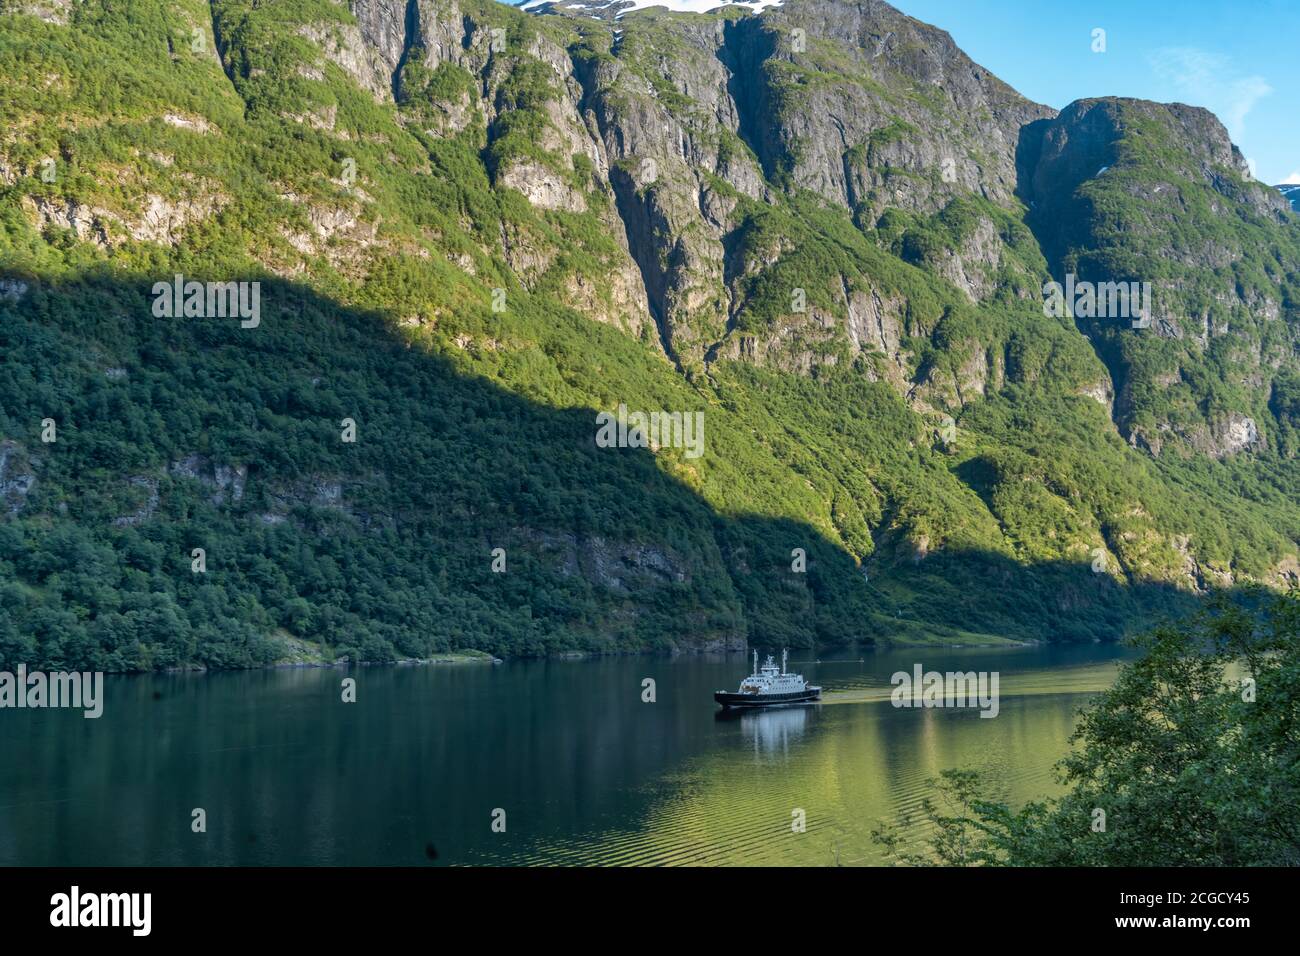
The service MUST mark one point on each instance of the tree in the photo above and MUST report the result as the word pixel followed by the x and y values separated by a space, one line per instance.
pixel 1192 758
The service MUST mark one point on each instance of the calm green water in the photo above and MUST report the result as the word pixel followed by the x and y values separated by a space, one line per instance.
pixel 585 771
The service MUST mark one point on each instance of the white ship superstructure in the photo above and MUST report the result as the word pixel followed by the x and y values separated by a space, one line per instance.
pixel 769 685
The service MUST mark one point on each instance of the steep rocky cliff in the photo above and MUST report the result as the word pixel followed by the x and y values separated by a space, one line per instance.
pixel 817 223
pixel 1132 191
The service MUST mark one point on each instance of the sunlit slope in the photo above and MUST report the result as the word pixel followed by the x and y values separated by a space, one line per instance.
pixel 459 249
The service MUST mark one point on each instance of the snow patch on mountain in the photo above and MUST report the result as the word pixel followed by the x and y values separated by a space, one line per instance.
pixel 602 9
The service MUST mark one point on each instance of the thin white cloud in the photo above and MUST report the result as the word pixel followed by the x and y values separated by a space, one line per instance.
pixel 1292 180
pixel 1213 81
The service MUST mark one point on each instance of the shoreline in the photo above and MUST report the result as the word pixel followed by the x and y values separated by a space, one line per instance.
pixel 482 657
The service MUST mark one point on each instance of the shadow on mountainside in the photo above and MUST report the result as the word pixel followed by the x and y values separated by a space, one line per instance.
pixel 181 434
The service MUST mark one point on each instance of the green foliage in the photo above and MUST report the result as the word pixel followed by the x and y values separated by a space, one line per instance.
pixel 476 426
pixel 521 101
pixel 1192 758
pixel 1164 213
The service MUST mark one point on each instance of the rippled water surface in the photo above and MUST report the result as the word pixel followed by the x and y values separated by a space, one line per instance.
pixel 585 771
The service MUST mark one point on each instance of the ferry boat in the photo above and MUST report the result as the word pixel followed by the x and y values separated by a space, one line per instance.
pixel 767 686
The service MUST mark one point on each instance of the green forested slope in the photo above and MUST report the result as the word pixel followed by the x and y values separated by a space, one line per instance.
pixel 965 483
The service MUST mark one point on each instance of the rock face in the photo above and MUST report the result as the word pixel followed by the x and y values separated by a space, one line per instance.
pixel 695 122
pixel 821 223
pixel 85 223
pixel 686 136
pixel 1131 191
pixel 51 11
pixel 866 97
pixel 683 133
pixel 16 477
pixel 385 28
pixel 224 482
pixel 158 220
pixel 686 124
pixel 13 289
pixel 619 566
pixel 1092 138
pixel 347 47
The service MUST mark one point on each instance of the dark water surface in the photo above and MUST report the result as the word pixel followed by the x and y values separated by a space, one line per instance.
pixel 584 770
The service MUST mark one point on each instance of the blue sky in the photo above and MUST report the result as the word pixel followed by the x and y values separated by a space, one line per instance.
pixel 1239 58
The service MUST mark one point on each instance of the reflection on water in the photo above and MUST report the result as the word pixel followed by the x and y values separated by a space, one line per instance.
pixel 771 730
pixel 586 771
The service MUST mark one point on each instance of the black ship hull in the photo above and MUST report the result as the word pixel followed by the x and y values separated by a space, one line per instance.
pixel 727 699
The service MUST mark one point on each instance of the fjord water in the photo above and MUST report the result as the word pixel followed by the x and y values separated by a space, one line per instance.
pixel 586 772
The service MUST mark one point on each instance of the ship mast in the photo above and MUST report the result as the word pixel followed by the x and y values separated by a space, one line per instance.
pixel 784 653
pixel 755 660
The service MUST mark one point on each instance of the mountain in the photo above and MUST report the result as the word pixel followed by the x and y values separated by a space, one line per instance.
pixel 617 9
pixel 820 229
pixel 1292 192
